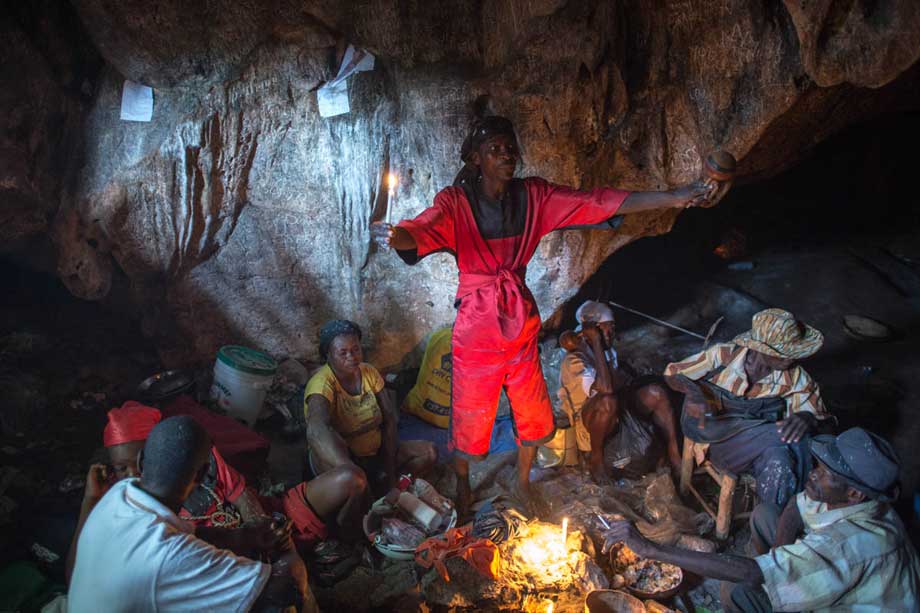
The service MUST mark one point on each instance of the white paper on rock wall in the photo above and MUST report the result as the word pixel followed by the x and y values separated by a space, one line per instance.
pixel 136 102
pixel 332 97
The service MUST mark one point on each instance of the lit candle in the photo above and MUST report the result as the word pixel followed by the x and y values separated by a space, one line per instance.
pixel 549 608
pixel 565 530
pixel 392 182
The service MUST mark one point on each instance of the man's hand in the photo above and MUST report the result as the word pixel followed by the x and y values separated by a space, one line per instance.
pixel 624 531
pixel 696 408
pixel 263 536
pixel 591 333
pixel 692 194
pixel 695 403
pixel 792 430
pixel 382 233
pixel 96 483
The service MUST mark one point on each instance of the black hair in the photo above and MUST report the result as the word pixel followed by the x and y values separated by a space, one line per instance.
pixel 481 130
pixel 334 328
pixel 175 451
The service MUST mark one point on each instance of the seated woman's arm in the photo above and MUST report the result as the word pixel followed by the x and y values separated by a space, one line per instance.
pixel 326 444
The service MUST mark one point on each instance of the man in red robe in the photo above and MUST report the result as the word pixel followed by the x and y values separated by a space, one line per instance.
pixel 492 224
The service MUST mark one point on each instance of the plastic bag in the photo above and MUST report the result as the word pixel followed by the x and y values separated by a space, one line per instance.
pixel 481 554
pixel 430 398
pixel 399 533
pixel 424 490
pixel 630 449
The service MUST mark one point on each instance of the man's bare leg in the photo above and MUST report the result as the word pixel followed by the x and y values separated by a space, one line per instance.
pixel 525 457
pixel 464 492
pixel 654 399
pixel 600 416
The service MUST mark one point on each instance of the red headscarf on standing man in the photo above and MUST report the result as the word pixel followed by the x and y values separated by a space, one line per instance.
pixel 130 422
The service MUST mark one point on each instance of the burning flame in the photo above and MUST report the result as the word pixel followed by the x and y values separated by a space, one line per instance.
pixel 392 181
pixel 543 552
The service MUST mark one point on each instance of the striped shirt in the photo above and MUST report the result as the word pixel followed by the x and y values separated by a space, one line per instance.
pixel 794 385
pixel 855 558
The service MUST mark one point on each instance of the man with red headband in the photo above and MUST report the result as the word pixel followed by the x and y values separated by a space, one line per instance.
pixel 492 224
pixel 225 512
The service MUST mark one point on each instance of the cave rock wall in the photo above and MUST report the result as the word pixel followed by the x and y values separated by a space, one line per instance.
pixel 238 214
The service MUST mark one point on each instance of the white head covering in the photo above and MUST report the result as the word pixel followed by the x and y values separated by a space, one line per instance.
pixel 593 311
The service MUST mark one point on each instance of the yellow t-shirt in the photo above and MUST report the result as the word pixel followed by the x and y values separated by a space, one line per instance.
pixel 356 418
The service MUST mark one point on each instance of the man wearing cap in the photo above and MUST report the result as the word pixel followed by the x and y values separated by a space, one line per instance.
pixel 492 223
pixel 597 397
pixel 753 405
pixel 838 546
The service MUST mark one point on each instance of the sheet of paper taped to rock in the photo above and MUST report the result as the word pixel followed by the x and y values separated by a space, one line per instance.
pixel 332 97
pixel 136 102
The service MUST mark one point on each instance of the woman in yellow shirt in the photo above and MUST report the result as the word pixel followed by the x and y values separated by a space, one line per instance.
pixel 351 421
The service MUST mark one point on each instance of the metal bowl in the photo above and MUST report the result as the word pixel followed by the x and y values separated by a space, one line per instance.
pixel 371 526
pixel 166 384
pixel 612 601
pixel 619 566
pixel 662 595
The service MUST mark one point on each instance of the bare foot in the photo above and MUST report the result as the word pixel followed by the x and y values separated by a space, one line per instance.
pixel 524 494
pixel 600 476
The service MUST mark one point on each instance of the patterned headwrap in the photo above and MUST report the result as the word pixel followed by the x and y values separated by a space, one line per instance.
pixel 130 422
pixel 480 131
pixel 334 328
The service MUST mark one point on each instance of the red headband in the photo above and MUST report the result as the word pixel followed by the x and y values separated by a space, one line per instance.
pixel 130 422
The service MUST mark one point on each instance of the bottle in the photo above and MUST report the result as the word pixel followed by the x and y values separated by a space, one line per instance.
pixel 426 517
pixel 432 498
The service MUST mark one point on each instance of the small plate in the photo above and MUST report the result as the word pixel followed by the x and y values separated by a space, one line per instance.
pixel 865 328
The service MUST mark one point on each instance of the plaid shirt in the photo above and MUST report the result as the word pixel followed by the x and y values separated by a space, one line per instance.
pixel 857 558
pixel 794 385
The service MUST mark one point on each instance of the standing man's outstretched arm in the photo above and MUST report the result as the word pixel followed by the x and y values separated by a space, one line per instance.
pixel 692 194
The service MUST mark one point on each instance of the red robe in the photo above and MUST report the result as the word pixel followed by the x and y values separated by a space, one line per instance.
pixel 494 341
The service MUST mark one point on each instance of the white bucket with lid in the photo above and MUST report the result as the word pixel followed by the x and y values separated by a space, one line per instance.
pixel 242 377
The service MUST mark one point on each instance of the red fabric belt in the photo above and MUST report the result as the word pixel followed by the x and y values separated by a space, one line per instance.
pixel 511 303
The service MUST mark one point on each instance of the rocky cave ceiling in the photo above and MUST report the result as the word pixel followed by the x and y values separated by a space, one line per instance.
pixel 238 214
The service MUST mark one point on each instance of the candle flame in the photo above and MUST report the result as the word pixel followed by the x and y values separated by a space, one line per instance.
pixel 392 181
pixel 549 609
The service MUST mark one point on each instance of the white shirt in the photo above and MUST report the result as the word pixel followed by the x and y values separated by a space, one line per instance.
pixel 577 374
pixel 134 554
